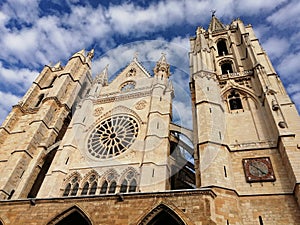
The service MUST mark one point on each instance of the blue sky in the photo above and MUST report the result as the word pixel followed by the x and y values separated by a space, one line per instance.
pixel 36 33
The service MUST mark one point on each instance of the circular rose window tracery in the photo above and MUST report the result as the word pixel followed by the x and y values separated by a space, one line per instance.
pixel 112 136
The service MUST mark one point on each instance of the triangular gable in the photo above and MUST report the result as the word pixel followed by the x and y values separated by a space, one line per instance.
pixel 134 74
pixel 215 24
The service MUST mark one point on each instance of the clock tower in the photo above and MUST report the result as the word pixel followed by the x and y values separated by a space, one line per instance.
pixel 246 128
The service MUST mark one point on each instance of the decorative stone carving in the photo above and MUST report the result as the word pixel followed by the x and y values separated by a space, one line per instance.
pixel 131 72
pixel 98 111
pixel 140 104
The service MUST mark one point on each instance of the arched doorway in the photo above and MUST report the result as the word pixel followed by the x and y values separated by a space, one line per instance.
pixel 72 216
pixel 162 215
pixel 75 218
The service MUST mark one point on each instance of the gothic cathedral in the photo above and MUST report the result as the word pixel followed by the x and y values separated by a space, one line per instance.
pixel 87 151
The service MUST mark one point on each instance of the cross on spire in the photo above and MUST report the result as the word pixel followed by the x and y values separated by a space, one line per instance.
pixel 213 12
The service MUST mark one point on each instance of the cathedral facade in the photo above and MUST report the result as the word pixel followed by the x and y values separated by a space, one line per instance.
pixel 89 151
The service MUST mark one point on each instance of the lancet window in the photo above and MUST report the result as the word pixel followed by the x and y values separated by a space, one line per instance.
pixel 235 101
pixel 222 48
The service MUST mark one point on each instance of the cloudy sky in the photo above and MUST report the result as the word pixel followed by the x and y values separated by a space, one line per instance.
pixel 35 33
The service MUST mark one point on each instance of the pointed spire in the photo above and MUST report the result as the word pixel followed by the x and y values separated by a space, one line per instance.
pixel 57 65
pixel 102 78
pixel 162 68
pixel 90 55
pixel 135 57
pixel 215 23
pixel 79 53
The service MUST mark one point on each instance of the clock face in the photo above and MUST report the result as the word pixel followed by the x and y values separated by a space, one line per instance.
pixel 258 169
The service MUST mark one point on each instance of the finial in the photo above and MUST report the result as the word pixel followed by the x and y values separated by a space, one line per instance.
pixel 135 56
pixel 213 12
pixel 163 57
pixel 90 55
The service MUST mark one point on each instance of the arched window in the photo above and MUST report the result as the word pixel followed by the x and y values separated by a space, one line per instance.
pixel 235 100
pixel 123 188
pixel 112 187
pixel 93 188
pixel 85 188
pixel 226 68
pixel 103 189
pixel 67 190
pixel 75 189
pixel 132 187
pixel 222 48
pixel 40 99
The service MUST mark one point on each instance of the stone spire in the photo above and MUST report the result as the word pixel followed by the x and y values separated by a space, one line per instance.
pixel 102 78
pixel 215 24
pixel 162 68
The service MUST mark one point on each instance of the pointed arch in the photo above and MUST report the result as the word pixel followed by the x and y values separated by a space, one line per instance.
pixel 120 110
pixel 112 187
pixel 128 180
pixel 71 185
pixel 93 188
pixel 242 90
pixel 243 95
pixel 85 188
pixel 73 215
pixel 162 214
pixel 104 187
pixel 222 47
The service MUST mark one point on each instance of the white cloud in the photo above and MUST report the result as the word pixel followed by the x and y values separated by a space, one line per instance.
pixel 276 47
pixel 5 106
pixel 19 79
pixel 287 16
pixel 22 10
pixel 294 91
pixel 289 67
pixel 257 6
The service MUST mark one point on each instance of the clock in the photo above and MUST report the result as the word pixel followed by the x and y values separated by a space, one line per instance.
pixel 258 169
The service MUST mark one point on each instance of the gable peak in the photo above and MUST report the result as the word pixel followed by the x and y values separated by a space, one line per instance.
pixel 215 24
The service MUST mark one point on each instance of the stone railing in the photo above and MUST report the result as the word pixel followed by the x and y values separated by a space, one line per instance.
pixel 235 75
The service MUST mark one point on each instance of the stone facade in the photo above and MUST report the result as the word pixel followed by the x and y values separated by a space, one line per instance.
pixel 87 151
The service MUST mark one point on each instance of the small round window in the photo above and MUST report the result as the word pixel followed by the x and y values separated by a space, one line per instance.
pixel 112 136
pixel 127 86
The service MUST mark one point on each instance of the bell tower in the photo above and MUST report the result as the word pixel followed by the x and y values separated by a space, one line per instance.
pixel 246 128
pixel 32 131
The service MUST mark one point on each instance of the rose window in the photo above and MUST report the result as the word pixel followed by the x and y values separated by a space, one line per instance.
pixel 112 136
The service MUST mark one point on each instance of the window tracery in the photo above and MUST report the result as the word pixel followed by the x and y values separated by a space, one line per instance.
pixel 235 101
pixel 129 183
pixel 112 136
pixel 127 86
